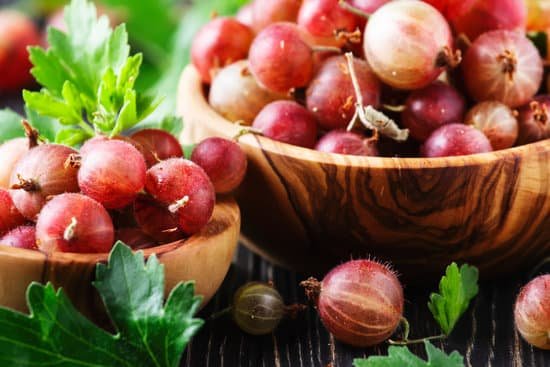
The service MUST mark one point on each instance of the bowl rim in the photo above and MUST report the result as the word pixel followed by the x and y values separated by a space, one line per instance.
pixel 191 100
pixel 194 241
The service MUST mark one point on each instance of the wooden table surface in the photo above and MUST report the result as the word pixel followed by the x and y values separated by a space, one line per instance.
pixel 485 335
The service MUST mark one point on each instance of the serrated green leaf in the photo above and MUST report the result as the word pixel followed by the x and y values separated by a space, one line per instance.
pixel 88 76
pixel 71 96
pixel 56 334
pixel 129 73
pixel 128 113
pixel 456 289
pixel 403 357
pixel 47 104
pixel 48 127
pixel 71 137
pixel 133 293
pixel 150 333
pixel 107 93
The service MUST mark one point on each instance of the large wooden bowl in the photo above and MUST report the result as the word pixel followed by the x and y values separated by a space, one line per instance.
pixel 310 210
pixel 204 257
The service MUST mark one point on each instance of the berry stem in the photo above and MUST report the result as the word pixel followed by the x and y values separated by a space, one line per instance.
pixel 31 133
pixel 326 49
pixel 352 9
pixel 463 42
pixel 312 287
pixel 73 160
pixel 68 234
pixel 173 208
pixel 448 58
pixel 349 37
pixel 509 63
pixel 540 112
pixel 28 185
pixel 369 116
pixel 246 131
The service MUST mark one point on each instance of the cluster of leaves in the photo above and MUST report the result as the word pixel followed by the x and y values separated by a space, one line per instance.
pixel 149 332
pixel 88 78
pixel 77 109
pixel 456 289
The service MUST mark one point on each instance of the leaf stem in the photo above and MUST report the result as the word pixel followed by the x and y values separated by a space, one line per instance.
pixel 87 128
pixel 416 341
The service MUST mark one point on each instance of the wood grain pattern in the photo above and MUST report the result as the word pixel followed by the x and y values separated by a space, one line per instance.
pixel 204 257
pixel 485 335
pixel 309 210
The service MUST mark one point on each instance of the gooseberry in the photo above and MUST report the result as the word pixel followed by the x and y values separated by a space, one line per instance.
pixel 503 66
pixel 496 121
pixel 532 312
pixel 408 44
pixel 185 189
pixel 331 95
pixel 223 161
pixel 429 108
pixel 343 142
pixel 20 237
pixel 220 42
pixel 360 302
pixel 237 96
pixel 74 223
pixel 111 172
pixel 454 140
pixel 288 122
pixel 41 173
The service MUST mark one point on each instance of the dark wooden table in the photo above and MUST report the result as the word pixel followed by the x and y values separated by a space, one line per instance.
pixel 485 335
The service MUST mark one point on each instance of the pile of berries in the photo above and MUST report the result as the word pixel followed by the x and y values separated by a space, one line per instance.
pixel 137 189
pixel 449 77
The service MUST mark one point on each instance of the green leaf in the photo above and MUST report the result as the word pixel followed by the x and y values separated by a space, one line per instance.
pixel 150 333
pixel 47 104
pixel 48 127
pixel 133 295
pixel 55 333
pixel 88 76
pixel 71 137
pixel 10 125
pixel 456 289
pixel 403 357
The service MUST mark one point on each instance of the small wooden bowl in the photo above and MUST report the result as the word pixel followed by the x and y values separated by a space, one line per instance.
pixel 310 210
pixel 204 257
